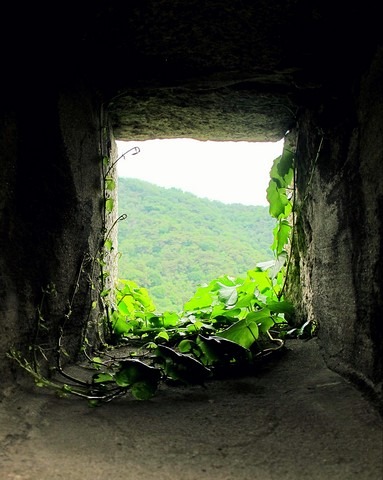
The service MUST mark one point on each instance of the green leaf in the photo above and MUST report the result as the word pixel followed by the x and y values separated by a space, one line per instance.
pixel 265 323
pixel 281 176
pixel 254 330
pixel 281 236
pixel 97 362
pixel 227 295
pixel 281 307
pixel 210 356
pixel 261 280
pixel 186 346
pixel 221 310
pixel 40 383
pixel 143 390
pixel 277 199
pixel 108 244
pixel 170 319
pixel 258 315
pixel 196 325
pixel 182 367
pixel 245 300
pixel 109 204
pixel 217 349
pixel 278 264
pixel 265 265
pixel 156 321
pixel 102 378
pixel 121 326
pixel 285 166
pixel 241 332
pixel 201 299
pixel 110 184
pixel 162 335
pixel 133 371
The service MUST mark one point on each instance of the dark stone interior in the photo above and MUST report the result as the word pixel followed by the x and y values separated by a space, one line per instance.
pixel 76 78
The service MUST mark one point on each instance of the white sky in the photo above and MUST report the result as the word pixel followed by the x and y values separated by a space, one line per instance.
pixel 230 172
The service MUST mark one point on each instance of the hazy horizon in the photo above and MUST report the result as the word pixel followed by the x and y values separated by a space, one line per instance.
pixel 230 172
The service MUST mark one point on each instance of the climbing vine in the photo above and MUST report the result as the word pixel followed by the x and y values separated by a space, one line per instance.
pixel 229 325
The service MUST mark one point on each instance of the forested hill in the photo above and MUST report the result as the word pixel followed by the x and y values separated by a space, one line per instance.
pixel 172 241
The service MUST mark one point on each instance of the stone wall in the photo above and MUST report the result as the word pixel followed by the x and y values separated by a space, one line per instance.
pixel 302 65
pixel 50 216
pixel 337 279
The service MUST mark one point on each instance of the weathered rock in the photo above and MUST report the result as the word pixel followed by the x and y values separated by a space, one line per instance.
pixel 223 70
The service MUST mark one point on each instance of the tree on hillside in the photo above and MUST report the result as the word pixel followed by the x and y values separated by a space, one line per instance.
pixel 173 241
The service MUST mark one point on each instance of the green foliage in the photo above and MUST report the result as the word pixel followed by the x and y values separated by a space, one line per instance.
pixel 229 322
pixel 244 305
pixel 173 241
pixel 281 199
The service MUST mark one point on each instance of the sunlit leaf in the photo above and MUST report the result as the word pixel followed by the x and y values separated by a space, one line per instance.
pixel 108 244
pixel 120 326
pixel 265 323
pixel 276 199
pixel 228 314
pixel 162 335
pixel 222 281
pixel 281 236
pixel 278 264
pixel 260 279
pixel 241 332
pixel 196 326
pixel 170 319
pixel 102 378
pixel 228 295
pixel 126 305
pixel 110 184
pixel 202 298
pixel 266 265
pixel 245 300
pixel 258 315
pixel 109 204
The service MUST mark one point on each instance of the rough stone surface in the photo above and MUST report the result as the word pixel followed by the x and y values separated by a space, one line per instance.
pixel 218 114
pixel 232 70
pixel 51 219
pixel 295 420
pixel 340 200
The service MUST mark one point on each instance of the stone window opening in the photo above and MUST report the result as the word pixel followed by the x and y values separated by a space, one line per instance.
pixel 243 167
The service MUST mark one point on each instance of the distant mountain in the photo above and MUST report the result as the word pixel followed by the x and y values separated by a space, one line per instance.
pixel 173 241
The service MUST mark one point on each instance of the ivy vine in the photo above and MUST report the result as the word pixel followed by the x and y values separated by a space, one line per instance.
pixel 229 325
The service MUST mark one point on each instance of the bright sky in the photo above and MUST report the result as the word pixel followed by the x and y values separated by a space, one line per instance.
pixel 230 172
